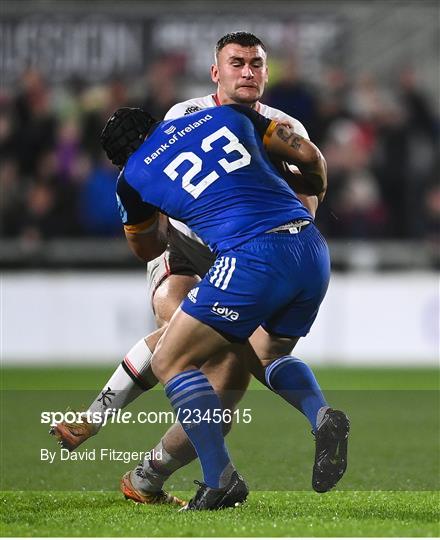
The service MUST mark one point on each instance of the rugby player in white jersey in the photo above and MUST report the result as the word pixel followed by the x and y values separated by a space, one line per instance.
pixel 240 72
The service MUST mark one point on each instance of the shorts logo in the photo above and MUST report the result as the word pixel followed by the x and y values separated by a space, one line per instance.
pixel 192 295
pixel 170 130
pixel 220 274
pixel 227 313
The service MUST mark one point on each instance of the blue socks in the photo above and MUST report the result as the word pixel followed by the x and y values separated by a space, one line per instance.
pixel 295 382
pixel 194 402
pixel 198 407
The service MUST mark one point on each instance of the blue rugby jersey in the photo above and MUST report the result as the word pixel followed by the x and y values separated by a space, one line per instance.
pixel 211 171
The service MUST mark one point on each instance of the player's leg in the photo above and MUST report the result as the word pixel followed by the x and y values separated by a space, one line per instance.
pixel 133 376
pixel 230 304
pixel 131 379
pixel 176 362
pixel 227 372
pixel 291 378
pixel 228 375
pixel 144 484
pixel 295 382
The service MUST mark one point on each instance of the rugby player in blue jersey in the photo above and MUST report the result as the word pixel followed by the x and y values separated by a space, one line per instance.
pixel 211 171
pixel 240 72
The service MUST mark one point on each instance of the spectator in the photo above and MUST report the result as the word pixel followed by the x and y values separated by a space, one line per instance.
pixel 97 208
pixel 415 103
pixel 294 96
pixel 354 206
pixel 332 103
pixel 11 200
pixel 161 82
pixel 34 124
pixel 380 144
pixel 49 204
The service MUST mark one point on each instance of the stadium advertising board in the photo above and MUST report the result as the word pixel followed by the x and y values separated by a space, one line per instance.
pixel 95 46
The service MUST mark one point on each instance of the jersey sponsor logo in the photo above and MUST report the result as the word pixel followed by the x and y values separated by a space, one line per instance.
pixel 192 109
pixel 226 313
pixel 165 146
pixel 156 153
pixel 170 130
pixel 192 295
pixel 194 125
pixel 221 273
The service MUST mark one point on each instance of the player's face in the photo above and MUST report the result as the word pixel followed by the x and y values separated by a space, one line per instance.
pixel 240 74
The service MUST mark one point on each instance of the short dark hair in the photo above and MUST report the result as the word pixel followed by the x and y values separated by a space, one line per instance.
pixel 245 39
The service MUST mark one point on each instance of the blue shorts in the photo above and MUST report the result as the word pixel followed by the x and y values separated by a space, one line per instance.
pixel 275 280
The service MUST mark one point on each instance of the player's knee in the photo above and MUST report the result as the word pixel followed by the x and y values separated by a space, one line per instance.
pixel 169 295
pixel 162 310
pixel 165 366
pixel 160 367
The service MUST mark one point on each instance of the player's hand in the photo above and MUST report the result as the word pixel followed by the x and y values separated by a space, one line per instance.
pixel 284 122
pixel 286 145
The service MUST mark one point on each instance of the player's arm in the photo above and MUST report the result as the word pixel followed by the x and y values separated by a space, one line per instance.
pixel 149 239
pixel 145 229
pixel 295 180
pixel 282 142
pixel 290 172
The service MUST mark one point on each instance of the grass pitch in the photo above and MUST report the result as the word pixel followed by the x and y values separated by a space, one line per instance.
pixel 390 489
pixel 266 514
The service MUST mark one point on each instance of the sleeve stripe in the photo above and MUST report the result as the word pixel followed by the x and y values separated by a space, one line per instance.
pixel 269 131
pixel 141 227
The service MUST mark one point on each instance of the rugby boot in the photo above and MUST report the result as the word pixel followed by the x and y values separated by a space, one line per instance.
pixel 71 434
pixel 230 496
pixel 146 497
pixel 331 439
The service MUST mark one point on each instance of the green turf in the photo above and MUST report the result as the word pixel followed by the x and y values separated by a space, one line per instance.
pixel 390 489
pixel 330 378
pixel 270 514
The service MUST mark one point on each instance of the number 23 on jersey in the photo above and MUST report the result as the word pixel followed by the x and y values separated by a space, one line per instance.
pixel 196 162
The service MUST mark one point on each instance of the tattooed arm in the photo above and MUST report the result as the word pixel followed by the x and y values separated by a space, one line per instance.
pixel 287 145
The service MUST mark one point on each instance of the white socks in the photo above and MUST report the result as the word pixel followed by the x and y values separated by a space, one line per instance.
pixel 130 379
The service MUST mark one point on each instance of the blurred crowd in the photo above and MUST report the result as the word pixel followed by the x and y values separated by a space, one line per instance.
pixel 380 144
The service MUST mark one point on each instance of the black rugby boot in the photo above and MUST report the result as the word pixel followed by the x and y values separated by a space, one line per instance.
pixel 208 498
pixel 331 438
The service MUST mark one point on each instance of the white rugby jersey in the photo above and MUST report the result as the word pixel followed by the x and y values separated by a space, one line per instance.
pixel 196 104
